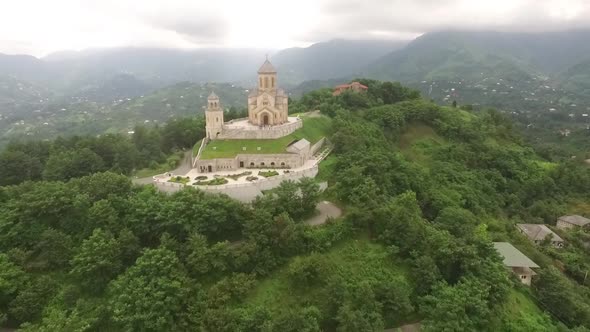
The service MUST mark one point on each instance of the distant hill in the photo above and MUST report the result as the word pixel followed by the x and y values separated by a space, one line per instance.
pixel 328 60
pixel 465 55
pixel 577 78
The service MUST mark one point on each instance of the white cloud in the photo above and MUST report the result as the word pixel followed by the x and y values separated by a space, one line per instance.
pixel 40 26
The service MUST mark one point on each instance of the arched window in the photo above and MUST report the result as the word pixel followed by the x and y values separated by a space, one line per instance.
pixel 261 82
pixel 216 119
pixel 283 163
pixel 262 164
pixel 266 82
pixel 251 164
pixel 272 82
pixel 272 164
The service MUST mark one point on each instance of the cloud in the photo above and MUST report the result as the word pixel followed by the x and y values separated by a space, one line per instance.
pixel 77 24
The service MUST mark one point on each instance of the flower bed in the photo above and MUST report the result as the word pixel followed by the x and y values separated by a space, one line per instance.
pixel 201 177
pixel 268 174
pixel 180 179
pixel 214 182
pixel 237 176
pixel 251 178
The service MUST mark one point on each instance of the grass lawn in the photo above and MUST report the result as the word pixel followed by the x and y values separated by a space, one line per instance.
pixel 314 128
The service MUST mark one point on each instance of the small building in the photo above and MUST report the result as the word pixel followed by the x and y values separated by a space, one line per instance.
pixel 571 222
pixel 538 232
pixel 354 86
pixel 516 261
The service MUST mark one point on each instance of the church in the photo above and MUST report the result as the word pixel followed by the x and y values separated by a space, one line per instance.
pixel 258 141
pixel 268 108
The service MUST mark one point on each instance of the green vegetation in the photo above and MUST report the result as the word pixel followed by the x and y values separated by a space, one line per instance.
pixel 212 182
pixel 314 128
pixel 426 189
pixel 180 179
pixel 239 175
pixel 147 152
pixel 268 174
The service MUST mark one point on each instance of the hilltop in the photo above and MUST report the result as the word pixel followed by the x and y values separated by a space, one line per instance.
pixel 425 190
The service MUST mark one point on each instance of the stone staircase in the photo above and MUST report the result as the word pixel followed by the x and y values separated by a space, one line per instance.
pixel 323 153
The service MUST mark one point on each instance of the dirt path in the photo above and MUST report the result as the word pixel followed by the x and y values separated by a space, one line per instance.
pixel 326 210
pixel 183 168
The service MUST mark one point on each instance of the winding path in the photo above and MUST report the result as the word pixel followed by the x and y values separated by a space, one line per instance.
pixel 326 210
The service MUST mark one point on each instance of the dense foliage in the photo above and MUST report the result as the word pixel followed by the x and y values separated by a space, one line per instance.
pixel 425 190
pixel 72 157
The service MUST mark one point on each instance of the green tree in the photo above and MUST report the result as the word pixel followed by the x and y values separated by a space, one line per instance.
pixel 97 261
pixel 151 295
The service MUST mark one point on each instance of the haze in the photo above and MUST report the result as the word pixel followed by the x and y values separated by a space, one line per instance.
pixel 41 27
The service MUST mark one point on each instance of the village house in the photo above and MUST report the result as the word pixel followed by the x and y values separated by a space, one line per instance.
pixel 354 86
pixel 571 222
pixel 538 233
pixel 516 261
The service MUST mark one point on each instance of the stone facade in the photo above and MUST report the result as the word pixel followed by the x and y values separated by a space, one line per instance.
pixel 213 117
pixel 278 161
pixel 268 105
pixel 267 119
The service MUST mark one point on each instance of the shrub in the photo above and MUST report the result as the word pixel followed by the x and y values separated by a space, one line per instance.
pixel 251 178
pixel 268 174
pixel 214 182
pixel 201 177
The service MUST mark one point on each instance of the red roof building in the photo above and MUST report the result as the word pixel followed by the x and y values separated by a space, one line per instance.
pixel 354 86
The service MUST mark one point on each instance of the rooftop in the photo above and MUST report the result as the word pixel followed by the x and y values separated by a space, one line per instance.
pixel 575 220
pixel 267 68
pixel 538 232
pixel 512 256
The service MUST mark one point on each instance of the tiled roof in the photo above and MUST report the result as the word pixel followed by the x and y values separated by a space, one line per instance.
pixel 267 67
pixel 575 220
pixel 538 232
pixel 512 256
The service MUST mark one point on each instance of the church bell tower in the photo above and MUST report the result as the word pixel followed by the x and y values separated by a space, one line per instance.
pixel 213 117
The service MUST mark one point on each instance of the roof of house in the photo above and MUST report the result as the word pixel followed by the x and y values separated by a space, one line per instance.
pixel 267 67
pixel 299 145
pixel 538 232
pixel 512 256
pixel 346 86
pixel 575 220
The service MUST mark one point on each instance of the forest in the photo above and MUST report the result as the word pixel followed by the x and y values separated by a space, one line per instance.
pixel 425 190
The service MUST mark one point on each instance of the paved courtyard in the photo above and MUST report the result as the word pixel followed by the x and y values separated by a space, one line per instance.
pixel 193 173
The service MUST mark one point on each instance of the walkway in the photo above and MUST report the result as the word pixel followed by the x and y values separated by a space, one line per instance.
pixel 326 210
pixel 183 168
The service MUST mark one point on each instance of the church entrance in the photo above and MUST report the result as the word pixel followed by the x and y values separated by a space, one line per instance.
pixel 210 169
pixel 265 119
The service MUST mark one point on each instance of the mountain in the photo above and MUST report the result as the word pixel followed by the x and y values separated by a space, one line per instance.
pixel 467 54
pixel 449 56
pixel 328 60
pixel 577 78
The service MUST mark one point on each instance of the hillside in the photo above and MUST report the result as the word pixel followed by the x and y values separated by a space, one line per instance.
pixel 425 190
pixel 333 59
pixel 56 116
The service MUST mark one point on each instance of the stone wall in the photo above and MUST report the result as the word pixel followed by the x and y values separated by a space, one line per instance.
pixel 282 160
pixel 271 132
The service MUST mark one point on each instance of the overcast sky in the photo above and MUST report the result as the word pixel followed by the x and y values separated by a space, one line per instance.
pixel 40 27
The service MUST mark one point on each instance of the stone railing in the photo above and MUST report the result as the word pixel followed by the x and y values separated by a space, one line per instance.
pixel 194 160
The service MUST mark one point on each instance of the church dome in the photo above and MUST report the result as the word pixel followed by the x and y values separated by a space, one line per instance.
pixel 267 68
